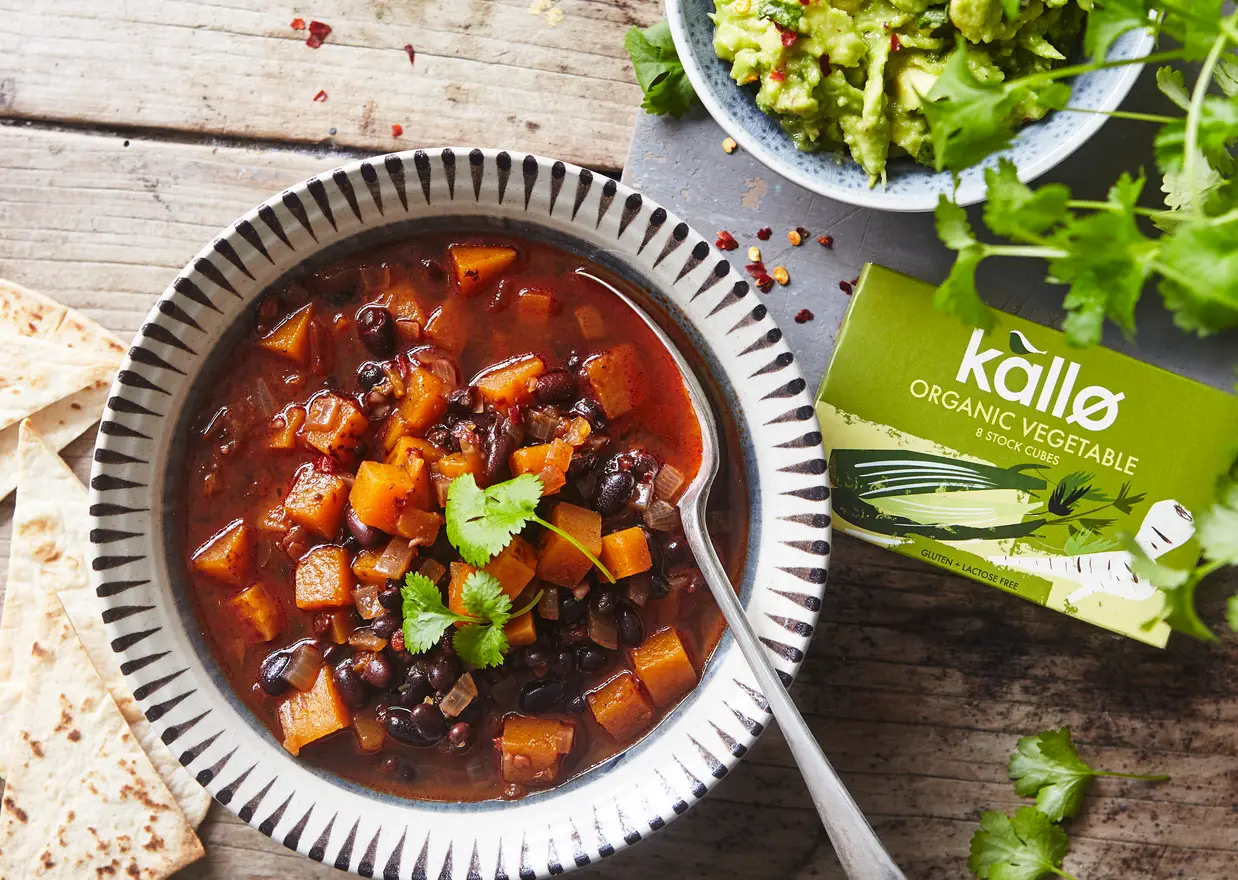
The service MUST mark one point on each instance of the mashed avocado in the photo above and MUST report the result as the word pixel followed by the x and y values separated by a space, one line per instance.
pixel 851 72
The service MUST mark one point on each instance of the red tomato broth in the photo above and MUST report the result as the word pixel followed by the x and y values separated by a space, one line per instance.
pixel 230 474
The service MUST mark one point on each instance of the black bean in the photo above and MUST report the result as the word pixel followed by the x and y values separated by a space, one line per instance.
pixel 336 284
pixel 603 601
pixel 499 444
pixel 577 704
pixel 385 625
pixel 376 330
pixel 612 492
pixel 460 736
pixel 440 436
pixel 367 536
pixel 675 551
pixel 269 673
pixel 377 671
pixel 591 659
pixel 541 696
pixel 391 599
pixel 581 464
pixel 571 609
pixel 430 721
pixel 462 400
pixel 556 386
pixel 369 374
pixel 537 657
pixel 443 672
pixel 631 627
pixel 422 725
pixel 591 411
pixel 659 588
pixel 333 653
pixel 350 685
pixel 564 664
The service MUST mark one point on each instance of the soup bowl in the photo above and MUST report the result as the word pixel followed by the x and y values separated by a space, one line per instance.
pixel 138 567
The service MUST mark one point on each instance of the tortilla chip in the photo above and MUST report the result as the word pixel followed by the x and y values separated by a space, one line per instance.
pixel 59 424
pixel 35 374
pixel 81 798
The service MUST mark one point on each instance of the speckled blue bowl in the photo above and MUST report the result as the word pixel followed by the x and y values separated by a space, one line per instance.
pixel 911 187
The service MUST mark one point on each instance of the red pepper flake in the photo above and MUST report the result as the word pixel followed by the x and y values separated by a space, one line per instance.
pixel 397 130
pixel 726 241
pixel 412 53
pixel 298 24
pixel 825 240
pixel 320 97
pixel 895 45
pixel 777 75
pixel 845 287
pixel 765 283
pixel 326 464
pixel 804 233
pixel 803 316
pixel 317 33
pixel 789 36
pixel 805 2
pixel 825 65
pixel 756 270
pixel 764 233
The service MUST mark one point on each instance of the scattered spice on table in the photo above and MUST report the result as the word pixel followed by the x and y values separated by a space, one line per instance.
pixel 764 233
pixel 794 237
pixel 848 287
pixel 729 145
pixel 726 241
pixel 754 255
pixel 412 53
pixel 803 316
pixel 318 32
pixel 756 270
pixel 298 24
pixel 825 240
pixel 781 275
pixel 320 97
pixel 397 130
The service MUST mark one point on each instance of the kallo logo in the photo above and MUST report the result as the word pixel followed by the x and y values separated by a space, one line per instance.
pixel 1018 380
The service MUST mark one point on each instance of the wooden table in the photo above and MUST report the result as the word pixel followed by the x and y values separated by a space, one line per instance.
pixel 133 131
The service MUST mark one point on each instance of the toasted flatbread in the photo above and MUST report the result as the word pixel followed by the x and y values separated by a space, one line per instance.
pixel 81 798
pixel 35 374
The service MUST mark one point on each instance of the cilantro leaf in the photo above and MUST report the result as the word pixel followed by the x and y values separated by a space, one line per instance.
pixel 659 70
pixel 787 13
pixel 1014 209
pixel 1109 20
pixel 484 598
pixel 1025 847
pixel 1226 75
pixel 426 618
pixel 957 294
pixel 1173 86
pixel 480 646
pixel 480 523
pixel 483 644
pixel 1218 525
pixel 1011 8
pixel 1199 265
pixel 933 18
pixel 968 119
pixel 1047 767
pixel 1177 588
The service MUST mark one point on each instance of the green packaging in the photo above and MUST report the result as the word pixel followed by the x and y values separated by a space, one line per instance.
pixel 1014 459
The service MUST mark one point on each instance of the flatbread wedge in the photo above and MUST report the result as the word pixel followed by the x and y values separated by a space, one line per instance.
pixel 81 798
pixel 35 374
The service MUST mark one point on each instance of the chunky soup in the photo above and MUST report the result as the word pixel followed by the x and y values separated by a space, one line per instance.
pixel 430 523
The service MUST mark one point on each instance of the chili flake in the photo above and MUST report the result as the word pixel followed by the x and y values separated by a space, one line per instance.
pixel 848 286
pixel 397 130
pixel 825 65
pixel 765 284
pixel 781 275
pixel 756 270
pixel 320 97
pixel 803 316
pixel 726 241
pixel 764 233
pixel 788 35
pixel 777 76
pixel 318 32
pixel 794 237
pixel 825 240
pixel 729 145
pixel 895 45
pixel 298 24
pixel 412 53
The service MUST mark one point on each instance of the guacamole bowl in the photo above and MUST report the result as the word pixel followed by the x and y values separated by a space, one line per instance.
pixel 909 186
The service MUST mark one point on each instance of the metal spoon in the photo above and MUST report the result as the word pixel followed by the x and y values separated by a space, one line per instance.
pixel 858 848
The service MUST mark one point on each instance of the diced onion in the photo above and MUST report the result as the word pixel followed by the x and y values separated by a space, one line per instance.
pixel 303 666
pixel 578 433
pixel 366 600
pixel 541 425
pixel 395 559
pixel 432 569
pixel 602 630
pixel 366 640
pixel 564 737
pixel 662 517
pixel 642 495
pixel 459 697
pixel 441 484
pixel 548 605
pixel 592 324
pixel 440 364
pixel 668 482
pixel 264 399
pixel 636 589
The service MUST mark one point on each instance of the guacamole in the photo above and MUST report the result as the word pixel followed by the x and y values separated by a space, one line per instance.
pixel 851 72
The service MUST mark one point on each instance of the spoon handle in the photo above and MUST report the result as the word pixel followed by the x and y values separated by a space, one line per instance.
pixel 856 844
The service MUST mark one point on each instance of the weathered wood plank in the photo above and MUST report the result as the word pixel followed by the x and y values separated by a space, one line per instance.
pixel 918 685
pixel 487 71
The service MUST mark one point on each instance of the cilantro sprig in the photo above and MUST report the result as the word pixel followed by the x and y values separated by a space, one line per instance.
pixel 659 70
pixel 481 522
pixel 479 638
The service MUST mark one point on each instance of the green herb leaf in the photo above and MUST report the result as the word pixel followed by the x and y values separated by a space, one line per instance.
pixel 426 618
pixel 1110 20
pixel 968 119
pixel 933 18
pixel 1218 525
pixel 1025 847
pixel 1015 210
pixel 480 646
pixel 787 13
pixel 480 523
pixel 1173 86
pixel 1011 8
pixel 957 294
pixel 484 598
pixel 1226 75
pixel 483 644
pixel 1177 588
pixel 1200 267
pixel 1047 767
pixel 659 70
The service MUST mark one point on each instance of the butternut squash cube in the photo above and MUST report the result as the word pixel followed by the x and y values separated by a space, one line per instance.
pixel 626 553
pixel 408 448
pixel 425 400
pixel 557 560
pixel 455 465
pixel 460 572
pixel 448 327
pixel 617 379
pixel 474 267
pixel 340 625
pixel 508 385
pixel 363 568
pixel 663 667
pixel 394 429
pixel 259 611
pixel 369 730
pixel 284 428
pixel 306 716
pixel 333 424
pixel 324 579
pixel 662 612
pixel 316 501
pixel 226 554
pixel 290 338
pixel 534 306
pixel 528 459
pixel 419 526
pixel 620 707
pixel 533 748
pixel 514 566
pixel 274 519
pixel 521 630
pixel 380 493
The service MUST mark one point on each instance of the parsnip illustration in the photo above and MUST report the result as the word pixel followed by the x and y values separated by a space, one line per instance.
pixel 1167 525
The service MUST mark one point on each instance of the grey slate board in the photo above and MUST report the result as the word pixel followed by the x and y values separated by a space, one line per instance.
pixel 681 164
